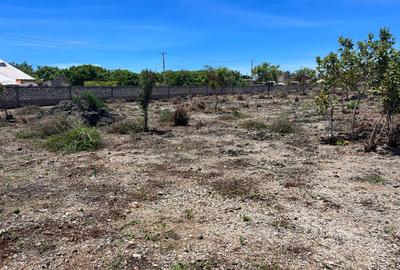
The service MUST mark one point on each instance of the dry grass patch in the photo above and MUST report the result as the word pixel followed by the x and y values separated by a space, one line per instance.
pixel 243 188
pixel 254 125
pixel 46 127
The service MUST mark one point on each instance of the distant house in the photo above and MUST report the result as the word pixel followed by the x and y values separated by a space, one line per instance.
pixel 58 82
pixel 10 75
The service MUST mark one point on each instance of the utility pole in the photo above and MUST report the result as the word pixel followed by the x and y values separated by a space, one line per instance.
pixel 163 63
pixel 251 71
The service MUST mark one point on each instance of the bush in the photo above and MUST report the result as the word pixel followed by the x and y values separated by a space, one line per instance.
pixel 351 105
pixel 166 116
pixel 46 127
pixel 180 117
pixel 88 101
pixel 74 140
pixel 254 125
pixel 282 125
pixel 127 126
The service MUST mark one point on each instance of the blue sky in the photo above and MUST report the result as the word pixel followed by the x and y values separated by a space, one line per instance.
pixel 131 34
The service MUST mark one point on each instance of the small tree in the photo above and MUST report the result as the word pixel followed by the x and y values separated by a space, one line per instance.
pixel 266 74
pixel 390 89
pixel 220 78
pixel 353 62
pixel 328 70
pixel 305 76
pixel 386 79
pixel 147 81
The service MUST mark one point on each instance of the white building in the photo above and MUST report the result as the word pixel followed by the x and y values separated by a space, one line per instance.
pixel 10 75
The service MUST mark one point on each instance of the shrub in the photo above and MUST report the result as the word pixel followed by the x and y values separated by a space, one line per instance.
pixel 88 101
pixel 353 104
pixel 246 218
pixel 46 127
pixel 180 117
pixel 74 140
pixel 127 126
pixel 254 125
pixel 147 80
pixel 322 102
pixel 282 125
pixel 166 116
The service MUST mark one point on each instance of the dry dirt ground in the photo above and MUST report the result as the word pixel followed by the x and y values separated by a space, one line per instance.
pixel 212 195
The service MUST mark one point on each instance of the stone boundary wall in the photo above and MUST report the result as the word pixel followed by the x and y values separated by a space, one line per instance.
pixel 14 97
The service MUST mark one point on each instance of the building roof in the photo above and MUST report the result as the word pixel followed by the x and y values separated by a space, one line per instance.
pixel 10 74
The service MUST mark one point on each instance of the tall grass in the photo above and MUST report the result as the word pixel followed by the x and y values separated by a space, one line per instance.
pixel 75 140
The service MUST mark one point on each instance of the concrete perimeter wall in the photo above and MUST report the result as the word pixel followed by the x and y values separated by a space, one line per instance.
pixel 14 97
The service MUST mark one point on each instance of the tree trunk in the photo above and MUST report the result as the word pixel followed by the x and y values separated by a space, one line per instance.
pixel 331 117
pixel 392 135
pixel 353 121
pixel 216 102
pixel 146 121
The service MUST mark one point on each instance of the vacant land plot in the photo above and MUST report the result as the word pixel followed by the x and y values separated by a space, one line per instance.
pixel 249 186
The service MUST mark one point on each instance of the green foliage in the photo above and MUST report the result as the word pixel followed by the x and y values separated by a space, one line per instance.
pixel 25 67
pixel 46 127
pixel 127 126
pixel 80 74
pixel 46 73
pixel 341 142
pixel 350 72
pixel 266 73
pixel 100 83
pixel 305 76
pixel 246 218
pixel 220 78
pixel 390 86
pixel 178 266
pixel 74 140
pixel 88 101
pixel 147 81
pixel 181 117
pixel 352 104
pixel 124 77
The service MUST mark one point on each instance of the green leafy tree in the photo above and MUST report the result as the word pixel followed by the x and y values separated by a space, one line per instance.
pixel 385 79
pixel 147 81
pixel 124 77
pixel 351 73
pixel 220 78
pixel 266 74
pixel 305 76
pixel 25 67
pixel 390 89
pixel 328 70
pixel 46 73
pixel 79 74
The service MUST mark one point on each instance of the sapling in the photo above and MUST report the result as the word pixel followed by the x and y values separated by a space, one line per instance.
pixel 147 81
